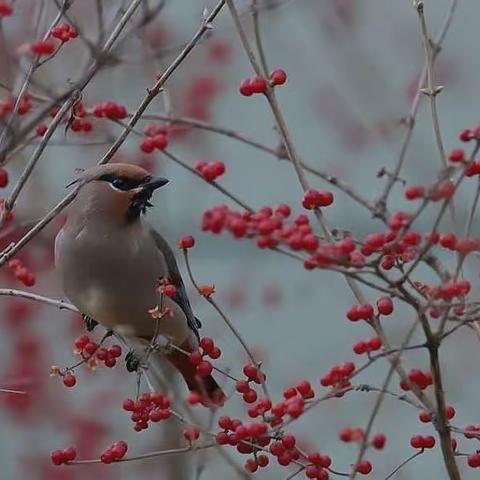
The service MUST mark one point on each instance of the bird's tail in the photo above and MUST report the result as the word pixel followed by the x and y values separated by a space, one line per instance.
pixel 209 390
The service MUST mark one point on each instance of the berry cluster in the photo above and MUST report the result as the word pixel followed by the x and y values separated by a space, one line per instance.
pixel 210 171
pixel 24 105
pixel 93 353
pixel 149 407
pixel 249 86
pixel 64 32
pixel 294 401
pixel 81 125
pixel 422 441
pixel 22 274
pixel 285 450
pixel 268 226
pixel 260 408
pixel 338 375
pixel 425 417
pixel 252 374
pixel 366 346
pixel 61 457
pixel 472 431
pixel 351 434
pixel 316 198
pixel 109 110
pixel 359 311
pixel 318 465
pixel 115 452
pixel 421 379
pixel 197 357
pixel 246 437
pixel 156 139
pixel 438 191
pixel 258 84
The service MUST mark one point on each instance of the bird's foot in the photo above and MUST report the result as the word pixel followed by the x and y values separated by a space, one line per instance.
pixel 132 362
pixel 90 323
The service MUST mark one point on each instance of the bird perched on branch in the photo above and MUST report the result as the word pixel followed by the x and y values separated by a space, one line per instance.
pixel 110 261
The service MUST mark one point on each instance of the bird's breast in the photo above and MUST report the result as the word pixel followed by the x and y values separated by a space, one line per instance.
pixel 113 279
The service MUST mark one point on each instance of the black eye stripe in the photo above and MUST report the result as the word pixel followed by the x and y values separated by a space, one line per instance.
pixel 122 183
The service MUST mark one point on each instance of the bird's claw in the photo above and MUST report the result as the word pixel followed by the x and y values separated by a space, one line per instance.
pixel 90 323
pixel 132 362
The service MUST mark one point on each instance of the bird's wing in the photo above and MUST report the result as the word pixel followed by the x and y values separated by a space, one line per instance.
pixel 180 298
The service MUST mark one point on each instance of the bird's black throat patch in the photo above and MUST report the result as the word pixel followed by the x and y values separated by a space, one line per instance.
pixel 139 204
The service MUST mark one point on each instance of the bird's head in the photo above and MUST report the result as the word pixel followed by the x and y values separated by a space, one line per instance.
pixel 122 191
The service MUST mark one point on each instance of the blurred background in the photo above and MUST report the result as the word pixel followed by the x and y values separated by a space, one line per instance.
pixel 352 66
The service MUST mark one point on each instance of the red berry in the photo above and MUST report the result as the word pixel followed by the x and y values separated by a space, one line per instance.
pixel 465 135
pixel 359 347
pixel 81 341
pixel 169 290
pixel 160 142
pixel 42 47
pixel 448 240
pixel 69 454
pixel 364 467
pixel 456 155
pixel 186 242
pixel 278 76
pixel 316 198
pixel 204 368
pixel 147 145
pixel 414 191
pixel 69 380
pixel 258 85
pixel 3 178
pixel 473 460
pixel 385 305
pixel 288 441
pixel 207 344
pixel 6 9
pixel 424 416
pixel 246 88
pixel 250 396
pixel 57 457
pixel 128 405
pixel 195 357
pixel 41 129
pixel 449 411
pixel 429 441
pixel 374 343
pixel 379 440
pixel 119 449
pixel 115 351
pixel 191 433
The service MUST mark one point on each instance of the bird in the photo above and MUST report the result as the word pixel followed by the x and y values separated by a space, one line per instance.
pixel 110 260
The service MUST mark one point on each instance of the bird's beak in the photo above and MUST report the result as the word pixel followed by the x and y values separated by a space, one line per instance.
pixel 155 182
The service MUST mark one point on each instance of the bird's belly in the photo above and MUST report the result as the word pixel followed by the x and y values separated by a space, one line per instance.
pixel 119 300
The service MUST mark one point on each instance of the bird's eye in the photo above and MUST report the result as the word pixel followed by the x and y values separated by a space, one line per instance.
pixel 122 184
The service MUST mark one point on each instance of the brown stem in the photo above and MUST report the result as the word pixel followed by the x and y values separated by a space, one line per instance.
pixel 441 422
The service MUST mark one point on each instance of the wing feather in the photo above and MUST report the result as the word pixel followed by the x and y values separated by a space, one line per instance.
pixel 180 298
